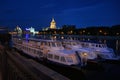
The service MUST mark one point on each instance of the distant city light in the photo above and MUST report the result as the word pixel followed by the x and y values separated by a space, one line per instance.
pixel 32 30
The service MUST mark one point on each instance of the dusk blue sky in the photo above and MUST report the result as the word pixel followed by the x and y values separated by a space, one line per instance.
pixel 38 13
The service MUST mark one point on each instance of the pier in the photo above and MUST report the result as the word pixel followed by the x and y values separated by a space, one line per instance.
pixel 13 66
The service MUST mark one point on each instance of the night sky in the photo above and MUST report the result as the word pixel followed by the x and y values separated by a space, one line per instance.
pixel 38 13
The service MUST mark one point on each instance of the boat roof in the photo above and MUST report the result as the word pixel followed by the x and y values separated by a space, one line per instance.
pixel 38 40
pixel 67 51
pixel 92 42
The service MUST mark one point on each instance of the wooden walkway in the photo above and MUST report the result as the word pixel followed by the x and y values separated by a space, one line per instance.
pixel 1 48
pixel 0 76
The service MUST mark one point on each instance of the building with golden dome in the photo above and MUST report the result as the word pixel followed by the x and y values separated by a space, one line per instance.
pixel 53 24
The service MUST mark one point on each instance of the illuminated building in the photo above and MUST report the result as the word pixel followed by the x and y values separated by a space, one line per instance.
pixel 53 24
pixel 18 30
pixel 32 30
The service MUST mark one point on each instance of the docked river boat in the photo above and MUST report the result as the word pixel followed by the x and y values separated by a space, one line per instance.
pixel 50 50
pixel 76 45
pixel 94 50
pixel 102 50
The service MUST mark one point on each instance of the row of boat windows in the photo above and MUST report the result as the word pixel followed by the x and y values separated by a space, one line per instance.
pixel 56 57
pixel 61 58
pixel 94 45
pixel 58 44
pixel 73 43
pixel 18 41
pixel 51 56
pixel 53 44
pixel 87 45
pixel 99 45
pixel 31 50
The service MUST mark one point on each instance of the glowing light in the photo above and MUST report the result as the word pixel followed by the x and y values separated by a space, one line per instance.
pixel 53 24
pixel 62 37
pixel 100 31
pixel 32 30
pixel 84 54
pixel 83 30
pixel 117 33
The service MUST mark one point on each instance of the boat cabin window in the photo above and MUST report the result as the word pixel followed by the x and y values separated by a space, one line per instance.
pixel 73 43
pixel 40 53
pixel 53 45
pixel 96 45
pixel 63 59
pixel 78 43
pixel 45 43
pixel 56 57
pixel 100 46
pixel 67 43
pixel 92 45
pixel 69 59
pixel 28 49
pixel 38 43
pixel 34 51
pixel 49 44
pixel 104 45
pixel 42 43
pixel 59 44
pixel 50 56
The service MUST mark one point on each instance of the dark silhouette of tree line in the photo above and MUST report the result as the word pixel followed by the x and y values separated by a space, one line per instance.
pixel 91 30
